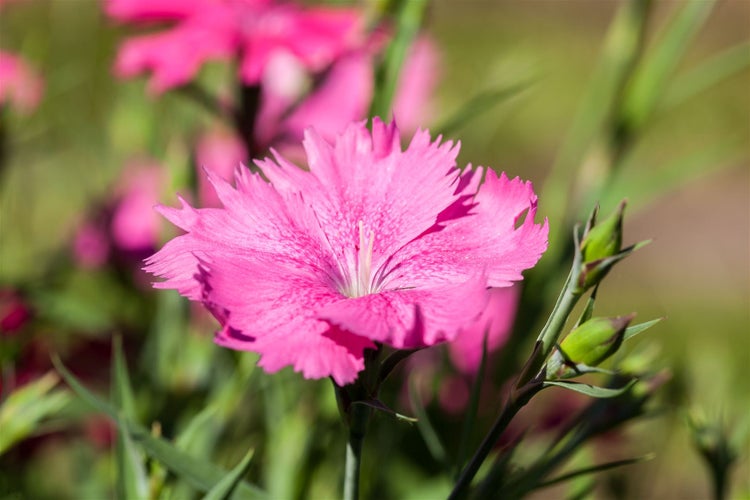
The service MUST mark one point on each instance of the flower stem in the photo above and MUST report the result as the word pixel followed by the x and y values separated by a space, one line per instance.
pixel 517 400
pixel 357 425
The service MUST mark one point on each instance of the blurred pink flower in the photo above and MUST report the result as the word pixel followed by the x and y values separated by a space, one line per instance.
pixel 135 226
pixel 14 312
pixel 91 245
pixel 253 30
pixel 19 84
pixel 372 244
pixel 343 95
pixel 496 320
pixel 219 151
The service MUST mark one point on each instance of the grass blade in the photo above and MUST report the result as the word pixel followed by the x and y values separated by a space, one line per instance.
pixel 712 72
pixel 650 80
pixel 200 474
pixel 408 22
pixel 594 469
pixel 224 488
pixel 132 479
pixel 431 439
pixel 471 415
pixel 480 103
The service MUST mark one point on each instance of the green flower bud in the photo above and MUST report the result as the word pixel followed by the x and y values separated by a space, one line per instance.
pixel 588 344
pixel 605 238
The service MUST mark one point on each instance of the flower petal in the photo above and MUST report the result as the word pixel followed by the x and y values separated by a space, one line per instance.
pixel 174 56
pixel 411 318
pixel 486 241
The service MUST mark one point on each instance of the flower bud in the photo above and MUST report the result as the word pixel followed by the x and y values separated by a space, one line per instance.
pixel 605 238
pixel 589 344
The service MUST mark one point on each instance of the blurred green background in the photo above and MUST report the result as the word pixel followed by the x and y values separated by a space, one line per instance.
pixel 63 159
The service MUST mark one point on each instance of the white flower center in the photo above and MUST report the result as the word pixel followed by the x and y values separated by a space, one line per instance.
pixel 359 282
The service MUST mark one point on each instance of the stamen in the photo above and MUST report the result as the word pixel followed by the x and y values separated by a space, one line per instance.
pixel 364 262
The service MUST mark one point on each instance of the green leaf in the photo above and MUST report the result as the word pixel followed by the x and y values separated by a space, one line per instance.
pixel 200 474
pixel 392 361
pixel 588 309
pixel 132 479
pixel 431 439
pixel 646 184
pixel 27 406
pixel 650 80
pixel 227 485
pixel 407 24
pixel 470 419
pixel 376 404
pixel 621 51
pixel 591 390
pixel 121 387
pixel 709 73
pixel 480 103
pixel 634 330
pixel 192 432
pixel 594 469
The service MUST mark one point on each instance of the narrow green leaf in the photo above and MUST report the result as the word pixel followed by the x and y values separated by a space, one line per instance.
pixel 376 404
pixel 634 330
pixel 407 24
pixel 121 387
pixel 591 390
pixel 197 424
pixel 200 474
pixel 594 469
pixel 480 103
pixel 224 488
pixel 622 49
pixel 26 407
pixel 650 80
pixel 431 439
pixel 709 73
pixel 646 184
pixel 588 310
pixel 132 481
pixel 470 420
pixel 392 361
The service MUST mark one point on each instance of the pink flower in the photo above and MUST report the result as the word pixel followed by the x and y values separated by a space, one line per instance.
pixel 19 84
pixel 496 321
pixel 134 227
pixel 343 95
pixel 220 152
pixel 372 244
pixel 91 245
pixel 207 30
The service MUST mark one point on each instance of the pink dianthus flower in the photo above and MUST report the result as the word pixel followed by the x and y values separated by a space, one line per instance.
pixel 19 84
pixel 253 30
pixel 372 244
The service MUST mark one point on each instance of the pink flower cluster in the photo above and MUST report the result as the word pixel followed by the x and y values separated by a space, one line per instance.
pixel 253 30
pixel 372 244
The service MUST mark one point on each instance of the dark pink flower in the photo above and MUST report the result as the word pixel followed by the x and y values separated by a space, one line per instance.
pixel 372 244
pixel 91 245
pixel 14 312
pixel 19 84
pixel 253 30
pixel 495 321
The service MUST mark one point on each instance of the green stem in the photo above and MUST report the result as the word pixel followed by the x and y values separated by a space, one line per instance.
pixel 408 21
pixel 516 401
pixel 357 425
pixel 563 307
